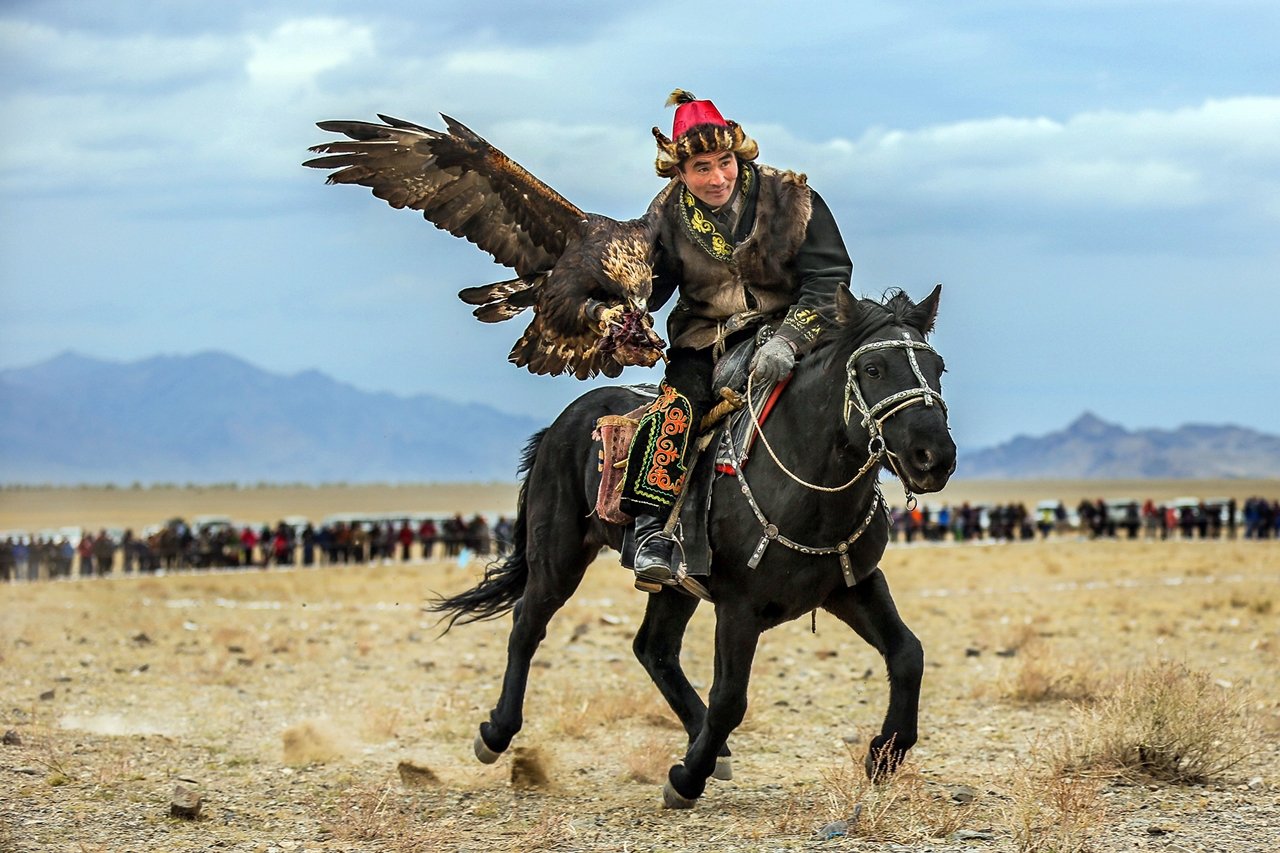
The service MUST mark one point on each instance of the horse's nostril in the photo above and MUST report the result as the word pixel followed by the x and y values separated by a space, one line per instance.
pixel 924 459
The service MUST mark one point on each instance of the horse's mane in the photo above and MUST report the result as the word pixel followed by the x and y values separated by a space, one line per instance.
pixel 844 337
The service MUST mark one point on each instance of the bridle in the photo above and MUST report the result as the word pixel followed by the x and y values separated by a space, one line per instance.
pixel 873 420
pixel 873 417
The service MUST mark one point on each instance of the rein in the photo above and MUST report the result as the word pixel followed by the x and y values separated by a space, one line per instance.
pixel 873 420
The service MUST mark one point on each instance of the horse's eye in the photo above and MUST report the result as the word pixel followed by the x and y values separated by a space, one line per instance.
pixel 872 371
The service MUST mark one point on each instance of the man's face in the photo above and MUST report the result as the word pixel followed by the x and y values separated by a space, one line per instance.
pixel 711 177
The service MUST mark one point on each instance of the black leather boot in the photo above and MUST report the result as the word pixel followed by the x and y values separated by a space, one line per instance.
pixel 653 551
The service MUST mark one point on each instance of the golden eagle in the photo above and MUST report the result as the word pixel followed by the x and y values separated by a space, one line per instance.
pixel 587 277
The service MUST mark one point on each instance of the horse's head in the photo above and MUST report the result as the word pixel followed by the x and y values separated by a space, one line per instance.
pixel 893 386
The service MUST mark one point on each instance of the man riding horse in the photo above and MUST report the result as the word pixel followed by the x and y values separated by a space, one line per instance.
pixel 747 247
pixel 754 253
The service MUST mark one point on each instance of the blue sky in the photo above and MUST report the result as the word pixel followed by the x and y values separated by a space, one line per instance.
pixel 1096 184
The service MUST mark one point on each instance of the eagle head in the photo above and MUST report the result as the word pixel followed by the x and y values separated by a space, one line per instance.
pixel 627 326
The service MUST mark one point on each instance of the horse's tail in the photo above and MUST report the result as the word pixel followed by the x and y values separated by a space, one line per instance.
pixel 504 578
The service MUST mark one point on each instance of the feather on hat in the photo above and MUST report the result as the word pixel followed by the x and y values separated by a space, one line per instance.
pixel 698 128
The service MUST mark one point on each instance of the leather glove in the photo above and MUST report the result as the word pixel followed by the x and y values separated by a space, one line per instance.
pixel 773 362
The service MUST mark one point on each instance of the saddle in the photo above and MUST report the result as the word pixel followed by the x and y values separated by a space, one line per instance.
pixel 726 427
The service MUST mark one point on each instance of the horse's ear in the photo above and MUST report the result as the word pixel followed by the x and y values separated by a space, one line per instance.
pixel 922 316
pixel 847 308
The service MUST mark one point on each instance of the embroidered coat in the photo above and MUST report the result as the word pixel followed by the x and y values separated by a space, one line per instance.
pixel 783 262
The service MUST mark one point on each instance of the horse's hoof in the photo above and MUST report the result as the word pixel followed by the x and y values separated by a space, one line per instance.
pixel 724 768
pixel 671 798
pixel 483 752
pixel 881 764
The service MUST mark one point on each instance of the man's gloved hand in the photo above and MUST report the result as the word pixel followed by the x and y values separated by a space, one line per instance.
pixel 773 362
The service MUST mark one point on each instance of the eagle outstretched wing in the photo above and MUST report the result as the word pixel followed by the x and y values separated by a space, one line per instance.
pixel 587 277
pixel 460 182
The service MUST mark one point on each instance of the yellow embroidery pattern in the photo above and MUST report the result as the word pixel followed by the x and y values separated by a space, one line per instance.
pixel 699 222
pixel 702 230
pixel 805 321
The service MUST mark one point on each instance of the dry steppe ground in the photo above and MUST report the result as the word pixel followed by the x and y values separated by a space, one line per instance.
pixel 291 698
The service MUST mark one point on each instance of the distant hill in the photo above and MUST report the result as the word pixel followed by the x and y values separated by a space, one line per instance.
pixel 212 418
pixel 1091 448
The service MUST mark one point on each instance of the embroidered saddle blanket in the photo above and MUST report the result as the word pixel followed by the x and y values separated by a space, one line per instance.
pixel 723 438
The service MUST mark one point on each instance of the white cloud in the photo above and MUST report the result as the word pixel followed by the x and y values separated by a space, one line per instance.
pixel 507 61
pixel 1218 153
pixel 296 52
pixel 230 109
pixel 46 58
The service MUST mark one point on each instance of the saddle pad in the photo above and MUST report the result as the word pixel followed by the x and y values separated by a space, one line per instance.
pixel 740 431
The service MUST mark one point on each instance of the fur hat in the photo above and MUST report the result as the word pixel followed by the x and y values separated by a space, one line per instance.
pixel 698 129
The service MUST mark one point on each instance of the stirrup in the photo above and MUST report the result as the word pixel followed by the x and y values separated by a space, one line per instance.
pixel 656 575
pixel 646 584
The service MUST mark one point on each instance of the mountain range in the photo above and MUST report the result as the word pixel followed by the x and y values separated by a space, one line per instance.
pixel 212 418
pixel 1091 448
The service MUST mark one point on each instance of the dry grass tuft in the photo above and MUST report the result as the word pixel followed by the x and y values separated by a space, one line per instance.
pixel 577 712
pixel 450 716
pixel 1254 603
pixel 380 815
pixel 550 831
pixel 1165 722
pixel 1054 814
pixel 310 742
pixel 903 808
pixel 793 816
pixel 42 748
pixel 1040 676
pixel 648 760
pixel 1021 636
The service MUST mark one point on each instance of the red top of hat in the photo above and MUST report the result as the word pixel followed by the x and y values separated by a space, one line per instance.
pixel 693 113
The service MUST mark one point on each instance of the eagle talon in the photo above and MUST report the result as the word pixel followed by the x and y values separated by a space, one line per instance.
pixel 610 321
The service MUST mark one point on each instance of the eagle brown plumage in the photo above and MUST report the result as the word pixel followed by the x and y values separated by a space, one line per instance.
pixel 587 277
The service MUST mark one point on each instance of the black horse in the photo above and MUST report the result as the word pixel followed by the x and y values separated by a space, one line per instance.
pixel 803 530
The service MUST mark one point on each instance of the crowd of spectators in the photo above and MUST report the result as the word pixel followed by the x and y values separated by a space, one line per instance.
pixel 179 545
pixel 1256 518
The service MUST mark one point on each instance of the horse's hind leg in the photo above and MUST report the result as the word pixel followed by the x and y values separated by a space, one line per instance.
pixel 868 608
pixel 556 567
pixel 657 646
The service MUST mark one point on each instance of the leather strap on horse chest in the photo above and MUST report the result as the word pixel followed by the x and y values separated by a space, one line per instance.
pixel 840 549
pixel 873 418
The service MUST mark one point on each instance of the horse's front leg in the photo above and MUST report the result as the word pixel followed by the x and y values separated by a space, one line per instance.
pixel 868 608
pixel 657 646
pixel 737 635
